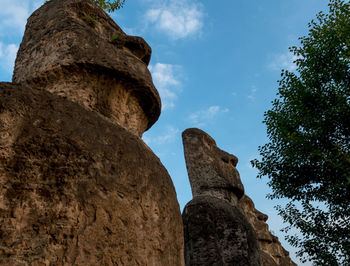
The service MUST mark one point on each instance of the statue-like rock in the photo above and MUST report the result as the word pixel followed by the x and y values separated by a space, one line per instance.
pixel 211 171
pixel 271 250
pixel 215 229
pixel 74 49
pixel 79 187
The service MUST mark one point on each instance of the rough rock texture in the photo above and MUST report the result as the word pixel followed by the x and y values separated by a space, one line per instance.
pixel 211 171
pixel 74 49
pixel 216 231
pixel 221 224
pixel 77 189
pixel 78 186
pixel 271 250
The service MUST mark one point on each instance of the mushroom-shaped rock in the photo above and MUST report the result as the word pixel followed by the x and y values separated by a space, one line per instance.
pixel 78 185
pixel 74 49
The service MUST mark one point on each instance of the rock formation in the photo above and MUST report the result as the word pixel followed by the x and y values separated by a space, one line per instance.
pixel 221 224
pixel 215 229
pixel 271 251
pixel 75 50
pixel 78 185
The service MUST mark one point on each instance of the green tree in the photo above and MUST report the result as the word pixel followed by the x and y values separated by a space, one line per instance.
pixel 109 5
pixel 307 158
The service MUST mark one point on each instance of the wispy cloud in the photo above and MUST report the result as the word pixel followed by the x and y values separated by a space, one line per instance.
pixel 168 136
pixel 8 54
pixel 201 117
pixel 176 18
pixel 252 93
pixel 166 79
pixel 283 61
pixel 14 14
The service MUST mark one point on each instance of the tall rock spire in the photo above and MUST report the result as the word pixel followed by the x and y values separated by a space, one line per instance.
pixel 221 224
pixel 215 229
pixel 211 170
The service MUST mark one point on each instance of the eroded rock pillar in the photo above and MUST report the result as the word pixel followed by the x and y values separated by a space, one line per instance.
pixel 216 230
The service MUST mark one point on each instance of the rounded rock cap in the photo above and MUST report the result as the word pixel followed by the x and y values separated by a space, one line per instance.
pixel 64 36
pixel 210 169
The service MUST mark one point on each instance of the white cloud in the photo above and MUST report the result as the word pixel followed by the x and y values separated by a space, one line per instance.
pixel 168 136
pixel 252 93
pixel 14 14
pixel 283 61
pixel 176 18
pixel 165 78
pixel 7 56
pixel 201 117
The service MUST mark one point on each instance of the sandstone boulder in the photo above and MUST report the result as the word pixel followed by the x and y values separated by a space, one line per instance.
pixel 79 190
pixel 79 187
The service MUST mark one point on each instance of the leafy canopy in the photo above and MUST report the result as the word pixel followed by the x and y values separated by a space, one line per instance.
pixel 307 159
pixel 109 5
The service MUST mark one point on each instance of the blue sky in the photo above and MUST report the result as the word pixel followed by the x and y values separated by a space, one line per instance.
pixel 215 65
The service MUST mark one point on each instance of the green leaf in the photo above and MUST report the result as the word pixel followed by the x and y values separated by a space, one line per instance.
pixel 307 158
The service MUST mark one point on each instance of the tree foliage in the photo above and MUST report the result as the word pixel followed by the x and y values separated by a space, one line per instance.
pixel 109 5
pixel 307 158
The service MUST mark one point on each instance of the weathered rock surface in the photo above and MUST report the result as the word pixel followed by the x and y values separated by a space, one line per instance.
pixel 79 190
pixel 221 224
pixel 216 230
pixel 271 250
pixel 78 186
pixel 211 171
pixel 74 49
pixel 216 234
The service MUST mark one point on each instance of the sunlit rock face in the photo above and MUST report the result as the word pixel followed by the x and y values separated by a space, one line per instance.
pixel 211 170
pixel 79 187
pixel 271 250
pixel 215 229
pixel 74 49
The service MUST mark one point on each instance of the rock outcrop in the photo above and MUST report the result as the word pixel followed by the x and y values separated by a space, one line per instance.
pixel 215 229
pixel 221 224
pixel 271 250
pixel 74 49
pixel 78 185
